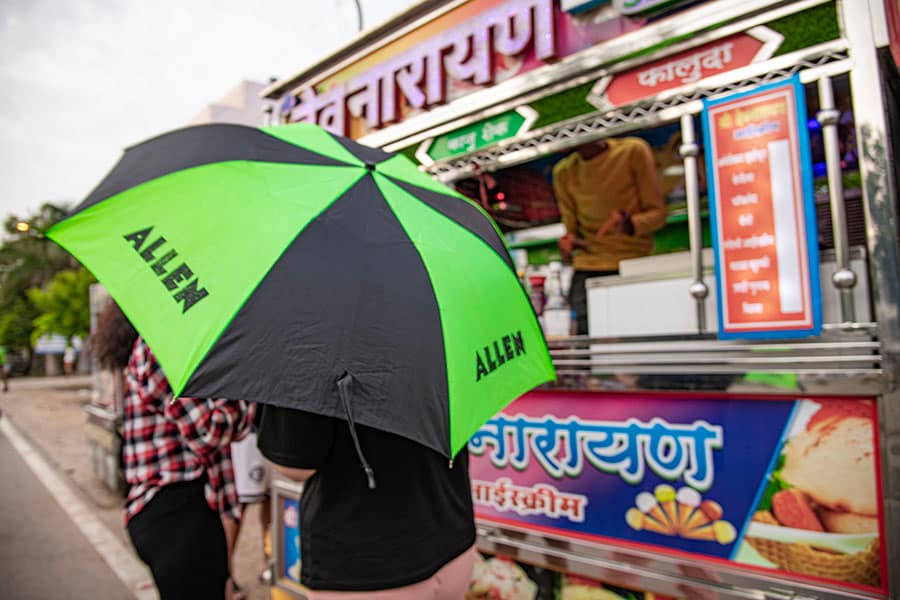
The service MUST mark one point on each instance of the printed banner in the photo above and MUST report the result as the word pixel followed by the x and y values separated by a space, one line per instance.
pixel 762 213
pixel 785 484
pixel 290 539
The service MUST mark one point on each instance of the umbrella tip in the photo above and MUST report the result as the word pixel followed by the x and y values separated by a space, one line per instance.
pixel 370 166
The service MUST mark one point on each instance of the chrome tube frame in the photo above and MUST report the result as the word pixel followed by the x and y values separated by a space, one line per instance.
pixel 689 151
pixel 844 279
pixel 880 204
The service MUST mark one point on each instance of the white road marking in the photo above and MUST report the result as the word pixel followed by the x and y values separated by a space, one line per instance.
pixel 121 559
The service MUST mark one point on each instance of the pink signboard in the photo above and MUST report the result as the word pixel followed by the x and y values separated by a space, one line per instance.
pixel 481 43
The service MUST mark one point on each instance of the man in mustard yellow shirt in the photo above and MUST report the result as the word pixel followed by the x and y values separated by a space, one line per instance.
pixel 610 202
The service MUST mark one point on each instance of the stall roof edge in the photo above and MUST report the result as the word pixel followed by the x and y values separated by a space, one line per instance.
pixel 364 39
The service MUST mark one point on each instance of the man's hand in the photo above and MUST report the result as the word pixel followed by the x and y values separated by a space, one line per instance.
pixel 567 245
pixel 624 224
pixel 619 221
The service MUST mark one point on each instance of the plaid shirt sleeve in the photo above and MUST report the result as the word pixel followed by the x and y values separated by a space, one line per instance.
pixel 168 440
pixel 208 425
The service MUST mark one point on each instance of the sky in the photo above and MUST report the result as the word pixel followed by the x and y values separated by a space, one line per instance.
pixel 81 80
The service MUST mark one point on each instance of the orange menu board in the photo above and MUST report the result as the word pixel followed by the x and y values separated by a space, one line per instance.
pixel 762 213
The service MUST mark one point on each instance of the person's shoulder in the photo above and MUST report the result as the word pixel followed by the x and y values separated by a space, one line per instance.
pixel 633 144
pixel 565 164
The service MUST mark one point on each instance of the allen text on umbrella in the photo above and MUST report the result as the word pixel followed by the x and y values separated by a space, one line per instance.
pixel 190 293
pixel 498 354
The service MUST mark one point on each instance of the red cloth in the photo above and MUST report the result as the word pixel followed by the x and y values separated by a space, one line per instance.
pixel 169 441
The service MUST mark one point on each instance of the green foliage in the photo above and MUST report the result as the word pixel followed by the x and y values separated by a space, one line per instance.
pixel 16 323
pixel 27 260
pixel 64 305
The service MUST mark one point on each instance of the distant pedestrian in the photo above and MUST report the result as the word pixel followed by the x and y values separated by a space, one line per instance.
pixel 3 369
pixel 252 480
pixel 178 469
pixel 69 357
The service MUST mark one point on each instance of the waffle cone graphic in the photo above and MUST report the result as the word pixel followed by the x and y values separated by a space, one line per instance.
pixel 643 522
pixel 863 567
pixel 719 531
pixel 696 520
pixel 688 504
pixel 708 512
pixel 665 495
pixel 648 505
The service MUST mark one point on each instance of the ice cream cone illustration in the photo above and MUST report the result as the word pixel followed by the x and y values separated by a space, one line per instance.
pixel 665 495
pixel 683 514
pixel 719 531
pixel 688 502
pixel 649 507
pixel 707 513
pixel 640 522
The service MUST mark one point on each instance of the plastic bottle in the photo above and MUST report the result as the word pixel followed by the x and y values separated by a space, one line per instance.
pixel 557 312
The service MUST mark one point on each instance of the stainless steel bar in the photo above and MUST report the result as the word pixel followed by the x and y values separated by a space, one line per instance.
pixel 560 135
pixel 844 279
pixel 711 369
pixel 729 360
pixel 717 348
pixel 689 151
pixel 880 204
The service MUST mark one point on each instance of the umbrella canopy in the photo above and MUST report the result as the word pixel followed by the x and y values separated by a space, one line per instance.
pixel 267 264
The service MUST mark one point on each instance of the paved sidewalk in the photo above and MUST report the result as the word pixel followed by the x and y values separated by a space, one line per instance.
pixel 49 413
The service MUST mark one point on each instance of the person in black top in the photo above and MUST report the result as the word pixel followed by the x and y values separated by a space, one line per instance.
pixel 411 536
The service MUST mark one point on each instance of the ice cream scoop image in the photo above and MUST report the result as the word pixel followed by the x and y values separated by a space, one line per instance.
pixel 688 502
pixel 665 495
pixel 712 510
pixel 647 503
pixel 834 465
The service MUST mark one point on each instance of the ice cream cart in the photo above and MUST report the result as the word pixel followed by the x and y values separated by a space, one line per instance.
pixel 730 427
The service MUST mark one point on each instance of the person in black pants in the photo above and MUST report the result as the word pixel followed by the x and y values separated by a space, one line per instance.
pixel 177 466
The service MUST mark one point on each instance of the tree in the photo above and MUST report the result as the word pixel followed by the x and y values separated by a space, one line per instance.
pixel 27 259
pixel 64 305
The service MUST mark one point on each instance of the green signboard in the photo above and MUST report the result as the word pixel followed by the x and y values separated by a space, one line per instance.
pixel 476 136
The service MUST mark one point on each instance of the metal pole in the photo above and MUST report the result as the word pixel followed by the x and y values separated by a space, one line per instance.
pixel 844 279
pixel 689 151
pixel 879 200
pixel 359 16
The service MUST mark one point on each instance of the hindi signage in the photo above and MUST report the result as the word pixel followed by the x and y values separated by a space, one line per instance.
pixel 478 135
pixel 685 68
pixel 762 213
pixel 734 479
pixel 417 79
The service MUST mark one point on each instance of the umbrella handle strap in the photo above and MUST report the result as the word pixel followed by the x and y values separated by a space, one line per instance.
pixel 343 385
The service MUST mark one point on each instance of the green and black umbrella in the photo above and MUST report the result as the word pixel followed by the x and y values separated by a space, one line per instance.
pixel 269 264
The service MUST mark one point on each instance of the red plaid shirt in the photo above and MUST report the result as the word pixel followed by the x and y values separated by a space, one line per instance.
pixel 169 441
